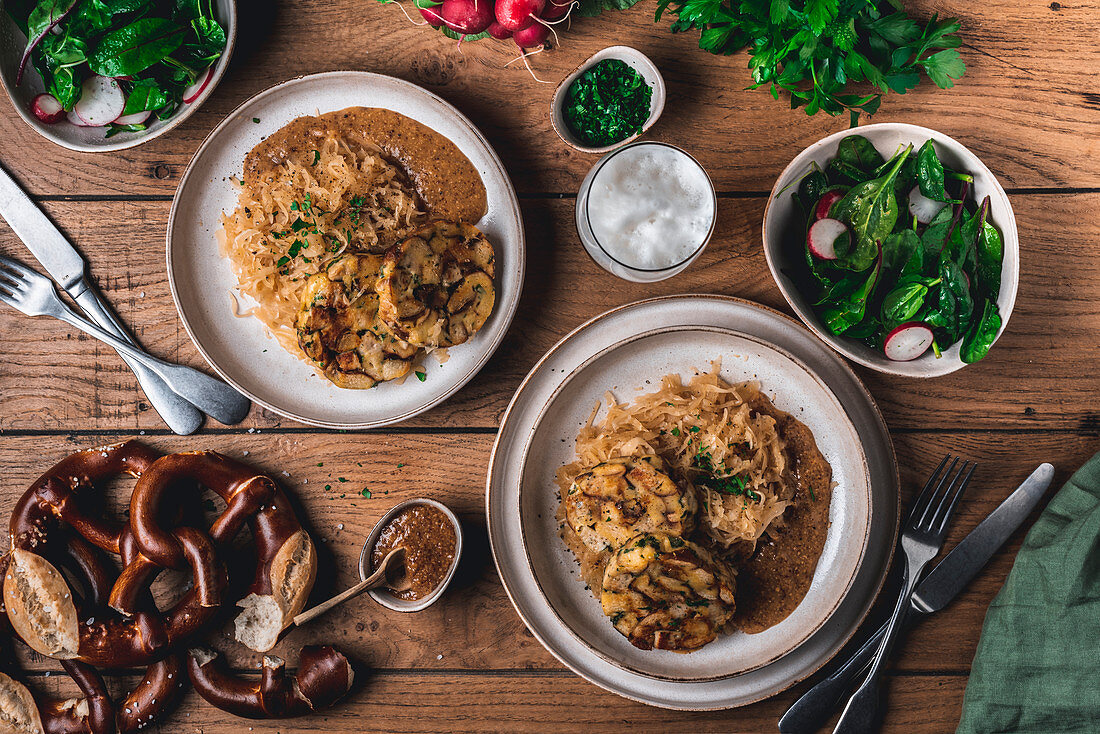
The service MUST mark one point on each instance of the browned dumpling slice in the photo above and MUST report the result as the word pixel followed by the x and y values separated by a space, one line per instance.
pixel 620 498
pixel 339 327
pixel 664 592
pixel 436 287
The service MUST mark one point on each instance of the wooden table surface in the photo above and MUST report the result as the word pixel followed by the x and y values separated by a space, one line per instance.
pixel 1029 106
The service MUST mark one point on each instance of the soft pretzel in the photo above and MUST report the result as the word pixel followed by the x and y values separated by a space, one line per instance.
pixel 95 712
pixel 286 558
pixel 324 675
pixel 97 616
pixel 47 526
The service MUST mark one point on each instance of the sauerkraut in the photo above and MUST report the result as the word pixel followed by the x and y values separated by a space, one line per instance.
pixel 343 197
pixel 712 438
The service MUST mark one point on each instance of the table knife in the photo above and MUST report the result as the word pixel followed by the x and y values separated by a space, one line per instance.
pixel 942 584
pixel 66 266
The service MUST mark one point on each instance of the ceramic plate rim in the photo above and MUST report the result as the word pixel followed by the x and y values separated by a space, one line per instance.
pixel 506 307
pixel 866 530
pixel 718 699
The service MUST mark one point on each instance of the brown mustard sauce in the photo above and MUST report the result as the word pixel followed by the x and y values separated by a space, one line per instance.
pixel 445 179
pixel 776 577
pixel 429 541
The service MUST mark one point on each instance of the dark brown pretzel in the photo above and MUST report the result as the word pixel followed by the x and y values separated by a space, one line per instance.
pixel 285 555
pixel 52 524
pixel 46 526
pixel 95 712
pixel 324 675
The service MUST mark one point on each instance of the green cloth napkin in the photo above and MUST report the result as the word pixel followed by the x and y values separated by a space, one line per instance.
pixel 1037 668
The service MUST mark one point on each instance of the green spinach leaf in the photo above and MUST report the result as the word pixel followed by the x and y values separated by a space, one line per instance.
pixel 847 310
pixel 858 152
pixel 134 48
pixel 989 254
pixel 870 209
pixel 982 334
pixel 930 173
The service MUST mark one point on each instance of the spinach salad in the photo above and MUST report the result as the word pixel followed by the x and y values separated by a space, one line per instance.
pixel 898 254
pixel 117 63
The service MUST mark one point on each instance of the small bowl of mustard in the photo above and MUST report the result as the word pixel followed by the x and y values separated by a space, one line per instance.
pixel 432 538
pixel 608 101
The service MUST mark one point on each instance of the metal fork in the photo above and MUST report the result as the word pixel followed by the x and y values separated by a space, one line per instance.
pixel 34 295
pixel 921 541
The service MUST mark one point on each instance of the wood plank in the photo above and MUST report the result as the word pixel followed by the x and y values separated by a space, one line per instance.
pixel 474 626
pixel 519 703
pixel 1032 378
pixel 1027 105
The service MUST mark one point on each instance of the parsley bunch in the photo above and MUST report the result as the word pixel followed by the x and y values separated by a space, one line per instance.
pixel 815 50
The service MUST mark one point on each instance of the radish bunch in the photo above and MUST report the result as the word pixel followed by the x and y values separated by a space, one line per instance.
pixel 527 22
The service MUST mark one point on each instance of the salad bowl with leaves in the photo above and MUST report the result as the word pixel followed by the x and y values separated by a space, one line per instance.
pixel 103 75
pixel 897 246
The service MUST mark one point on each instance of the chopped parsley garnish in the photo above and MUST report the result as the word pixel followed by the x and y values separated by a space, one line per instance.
pixel 365 492
pixel 316 157
pixel 421 375
pixel 255 119
pixel 714 480
pixel 675 431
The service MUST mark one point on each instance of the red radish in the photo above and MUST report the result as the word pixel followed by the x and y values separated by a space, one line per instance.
pixel 515 15
pixel 136 118
pixel 47 109
pixel 431 15
pixel 908 341
pixel 823 236
pixel 496 30
pixel 192 92
pixel 467 16
pixel 74 118
pixel 923 208
pixel 101 101
pixel 531 36
pixel 556 9
pixel 825 203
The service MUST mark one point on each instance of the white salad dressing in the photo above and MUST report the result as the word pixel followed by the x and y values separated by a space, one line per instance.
pixel 650 206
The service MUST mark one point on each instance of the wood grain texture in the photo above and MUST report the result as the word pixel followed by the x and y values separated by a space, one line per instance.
pixel 525 702
pixel 474 626
pixel 1030 380
pixel 1027 105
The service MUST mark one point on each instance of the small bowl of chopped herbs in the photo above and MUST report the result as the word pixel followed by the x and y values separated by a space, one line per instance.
pixel 96 76
pixel 897 246
pixel 608 101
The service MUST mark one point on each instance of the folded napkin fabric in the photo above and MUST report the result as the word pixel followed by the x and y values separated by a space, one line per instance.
pixel 1037 668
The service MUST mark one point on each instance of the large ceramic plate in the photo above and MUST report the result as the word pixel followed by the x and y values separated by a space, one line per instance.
pixel 629 349
pixel 239 349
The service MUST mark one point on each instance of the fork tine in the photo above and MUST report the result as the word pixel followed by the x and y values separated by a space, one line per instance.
pixel 923 496
pixel 10 277
pixel 930 504
pixel 15 265
pixel 939 524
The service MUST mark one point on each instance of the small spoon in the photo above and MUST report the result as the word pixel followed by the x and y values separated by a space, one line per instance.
pixel 379 578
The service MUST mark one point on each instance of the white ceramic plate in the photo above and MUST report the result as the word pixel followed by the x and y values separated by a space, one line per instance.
pixel 92 139
pixel 621 351
pixel 239 349
pixel 780 216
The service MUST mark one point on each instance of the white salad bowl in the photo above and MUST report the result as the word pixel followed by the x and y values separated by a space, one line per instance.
pixel 637 61
pixel 93 139
pixel 783 232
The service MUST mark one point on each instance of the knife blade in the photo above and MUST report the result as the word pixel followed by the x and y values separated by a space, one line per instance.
pixel 958 568
pixel 942 584
pixel 66 266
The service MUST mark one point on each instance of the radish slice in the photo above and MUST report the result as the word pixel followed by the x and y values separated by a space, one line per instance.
pixel 47 109
pixel 825 203
pixel 192 92
pixel 923 208
pixel 75 119
pixel 823 236
pixel 908 341
pixel 136 118
pixel 101 101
